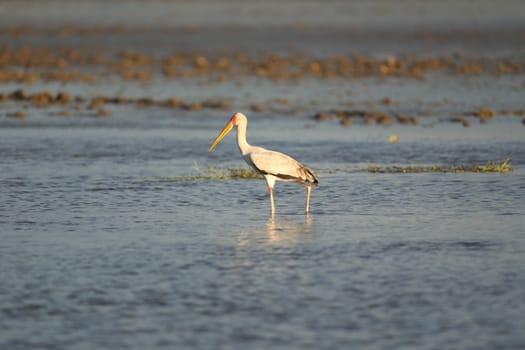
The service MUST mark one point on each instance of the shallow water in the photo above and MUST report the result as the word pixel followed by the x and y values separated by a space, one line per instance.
pixel 96 251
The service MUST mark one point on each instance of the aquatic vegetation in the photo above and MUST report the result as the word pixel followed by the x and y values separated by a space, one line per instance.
pixel 246 173
pixel 215 173
pixel 503 166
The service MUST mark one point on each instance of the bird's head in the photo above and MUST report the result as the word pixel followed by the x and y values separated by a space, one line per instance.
pixel 238 118
pixel 234 121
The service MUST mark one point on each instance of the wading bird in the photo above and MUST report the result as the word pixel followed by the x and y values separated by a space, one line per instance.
pixel 274 166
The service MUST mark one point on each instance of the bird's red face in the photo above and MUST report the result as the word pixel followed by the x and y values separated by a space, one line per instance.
pixel 233 119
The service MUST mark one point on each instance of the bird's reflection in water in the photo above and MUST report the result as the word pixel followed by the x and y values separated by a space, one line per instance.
pixel 284 230
pixel 280 230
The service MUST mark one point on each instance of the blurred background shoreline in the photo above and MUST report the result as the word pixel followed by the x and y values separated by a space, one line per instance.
pixel 361 62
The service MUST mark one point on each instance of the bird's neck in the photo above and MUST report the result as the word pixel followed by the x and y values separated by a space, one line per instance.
pixel 243 145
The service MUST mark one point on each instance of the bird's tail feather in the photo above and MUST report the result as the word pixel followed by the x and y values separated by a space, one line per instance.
pixel 308 176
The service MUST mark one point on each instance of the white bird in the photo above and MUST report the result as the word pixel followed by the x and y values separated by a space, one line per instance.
pixel 272 165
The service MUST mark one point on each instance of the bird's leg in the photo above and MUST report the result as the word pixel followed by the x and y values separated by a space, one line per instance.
pixel 270 191
pixel 308 191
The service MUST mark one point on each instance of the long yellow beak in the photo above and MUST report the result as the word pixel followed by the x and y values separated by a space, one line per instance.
pixel 227 128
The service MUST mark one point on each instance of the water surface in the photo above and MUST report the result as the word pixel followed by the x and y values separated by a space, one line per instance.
pixel 98 252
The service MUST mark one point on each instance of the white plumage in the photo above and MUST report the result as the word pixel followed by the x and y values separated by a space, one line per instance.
pixel 274 166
